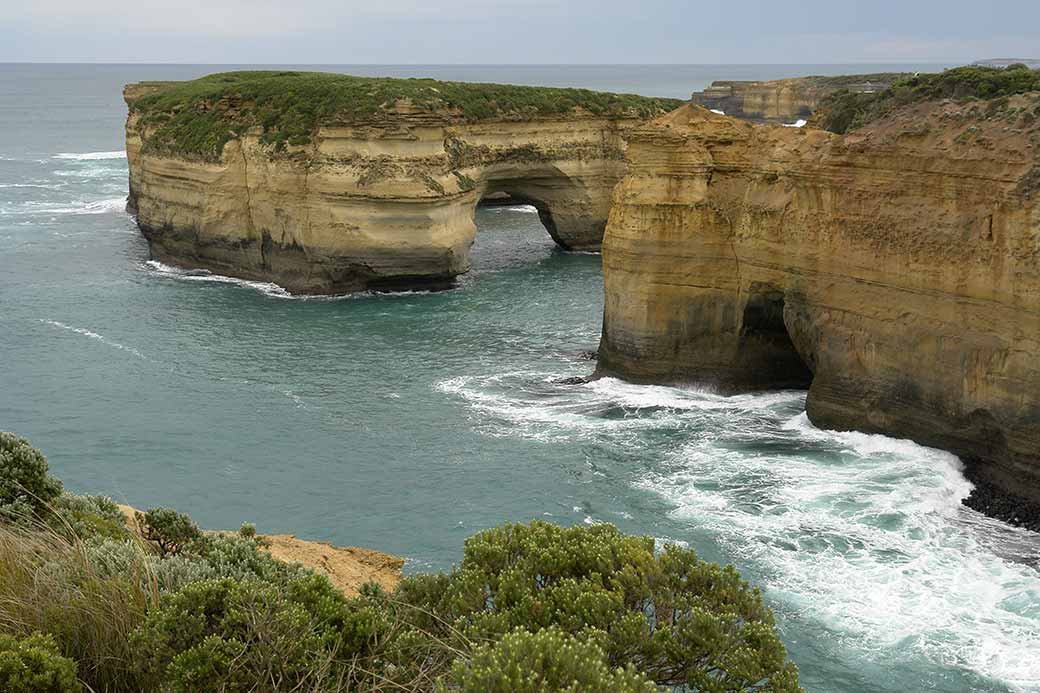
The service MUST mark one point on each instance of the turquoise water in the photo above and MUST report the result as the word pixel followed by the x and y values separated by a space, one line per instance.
pixel 408 422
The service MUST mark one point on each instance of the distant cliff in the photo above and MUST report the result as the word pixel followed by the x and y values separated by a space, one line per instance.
pixel 329 183
pixel 895 271
pixel 785 100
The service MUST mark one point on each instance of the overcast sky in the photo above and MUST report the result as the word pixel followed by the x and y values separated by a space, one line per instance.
pixel 510 31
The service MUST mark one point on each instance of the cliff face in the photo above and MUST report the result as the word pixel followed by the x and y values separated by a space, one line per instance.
pixel 784 100
pixel 383 200
pixel 895 269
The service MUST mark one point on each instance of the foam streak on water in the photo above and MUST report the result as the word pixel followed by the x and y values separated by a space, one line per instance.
pixel 94 335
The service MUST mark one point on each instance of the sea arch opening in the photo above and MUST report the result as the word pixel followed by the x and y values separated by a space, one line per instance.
pixel 573 213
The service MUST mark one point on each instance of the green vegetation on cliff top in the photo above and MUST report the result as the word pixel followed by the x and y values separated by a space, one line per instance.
pixel 196 118
pixel 530 608
pixel 844 110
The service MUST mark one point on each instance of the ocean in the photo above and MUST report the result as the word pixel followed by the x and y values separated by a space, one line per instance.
pixel 406 422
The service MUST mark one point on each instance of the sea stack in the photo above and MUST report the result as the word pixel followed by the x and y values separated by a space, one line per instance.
pixel 328 183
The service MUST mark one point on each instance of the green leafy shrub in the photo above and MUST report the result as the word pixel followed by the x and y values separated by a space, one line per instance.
pixel 238 635
pixel 170 530
pixel 25 486
pixel 544 662
pixel 88 516
pixel 34 665
pixel 679 620
pixel 222 556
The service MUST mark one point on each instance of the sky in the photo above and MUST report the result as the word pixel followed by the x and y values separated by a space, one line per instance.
pixel 514 32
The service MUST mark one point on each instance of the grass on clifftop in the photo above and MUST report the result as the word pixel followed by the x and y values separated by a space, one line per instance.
pixel 844 110
pixel 196 118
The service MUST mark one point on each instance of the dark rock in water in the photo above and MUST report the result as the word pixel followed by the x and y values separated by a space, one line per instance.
pixel 573 380
pixel 588 354
pixel 991 500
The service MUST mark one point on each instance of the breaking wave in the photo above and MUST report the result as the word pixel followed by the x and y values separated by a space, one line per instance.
pixel 111 206
pixel 863 535
pixel 267 288
pixel 92 156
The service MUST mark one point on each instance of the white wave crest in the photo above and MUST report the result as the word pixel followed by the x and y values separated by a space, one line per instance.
pixel 866 535
pixel 37 185
pixel 116 205
pixel 203 275
pixel 498 209
pixel 91 156
pixel 863 536
pixel 94 335
pixel 267 288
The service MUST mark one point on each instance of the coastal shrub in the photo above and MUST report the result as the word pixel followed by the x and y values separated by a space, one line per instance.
pixel 88 516
pixel 170 530
pixel 844 110
pixel 197 118
pixel 54 583
pixel 677 619
pixel 34 665
pixel 26 488
pixel 243 635
pixel 222 556
pixel 543 662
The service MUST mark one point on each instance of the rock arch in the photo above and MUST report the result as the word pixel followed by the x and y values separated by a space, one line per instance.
pixel 379 206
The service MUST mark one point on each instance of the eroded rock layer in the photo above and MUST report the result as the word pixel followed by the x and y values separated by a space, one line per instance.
pixel 383 202
pixel 896 269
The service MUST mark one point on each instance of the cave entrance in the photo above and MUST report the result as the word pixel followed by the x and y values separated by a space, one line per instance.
pixel 766 342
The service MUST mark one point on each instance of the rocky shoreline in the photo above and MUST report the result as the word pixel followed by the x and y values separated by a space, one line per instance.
pixel 1000 503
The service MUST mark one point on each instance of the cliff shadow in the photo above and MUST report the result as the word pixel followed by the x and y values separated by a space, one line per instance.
pixel 765 340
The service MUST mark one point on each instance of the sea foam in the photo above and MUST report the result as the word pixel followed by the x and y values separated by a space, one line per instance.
pixel 91 156
pixel 863 536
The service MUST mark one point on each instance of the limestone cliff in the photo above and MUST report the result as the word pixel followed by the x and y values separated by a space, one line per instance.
pixel 785 100
pixel 896 269
pixel 375 191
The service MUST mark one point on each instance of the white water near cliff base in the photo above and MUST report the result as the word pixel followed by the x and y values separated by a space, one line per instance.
pixel 861 535
pixel 409 422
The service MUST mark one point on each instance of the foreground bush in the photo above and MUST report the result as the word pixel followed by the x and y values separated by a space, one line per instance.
pixel 679 620
pixel 530 608
pixel 525 662
pixel 25 486
pixel 55 584
pixel 171 531
pixel 33 665
pixel 232 635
